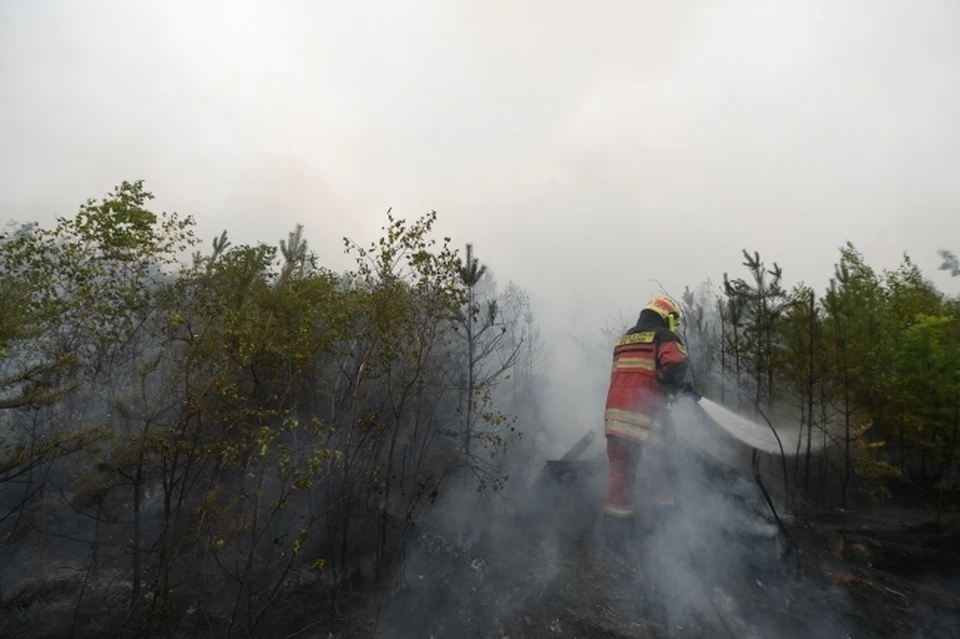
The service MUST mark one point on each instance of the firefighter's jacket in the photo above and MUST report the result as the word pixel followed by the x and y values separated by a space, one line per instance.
pixel 647 361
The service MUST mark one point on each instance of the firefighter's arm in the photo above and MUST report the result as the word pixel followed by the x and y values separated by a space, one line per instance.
pixel 673 363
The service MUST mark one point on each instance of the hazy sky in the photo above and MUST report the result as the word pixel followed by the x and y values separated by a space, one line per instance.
pixel 583 147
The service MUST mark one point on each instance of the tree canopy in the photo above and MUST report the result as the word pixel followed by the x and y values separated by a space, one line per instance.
pixel 211 424
pixel 245 415
pixel 869 367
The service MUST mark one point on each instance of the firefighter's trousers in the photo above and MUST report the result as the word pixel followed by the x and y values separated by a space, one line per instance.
pixel 624 457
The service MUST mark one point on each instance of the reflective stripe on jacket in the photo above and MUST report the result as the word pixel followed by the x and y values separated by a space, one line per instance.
pixel 645 361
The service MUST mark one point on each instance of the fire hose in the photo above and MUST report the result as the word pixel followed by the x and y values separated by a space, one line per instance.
pixel 670 436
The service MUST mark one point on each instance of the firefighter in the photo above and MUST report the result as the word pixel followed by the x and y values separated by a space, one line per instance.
pixel 649 361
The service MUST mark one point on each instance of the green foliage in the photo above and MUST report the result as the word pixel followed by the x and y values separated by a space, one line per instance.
pixel 758 304
pixel 256 411
pixel 873 470
pixel 871 369
pixel 24 383
pixel 97 276
pixel 927 369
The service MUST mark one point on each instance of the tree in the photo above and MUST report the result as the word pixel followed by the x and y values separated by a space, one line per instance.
pixel 731 313
pixel 838 365
pixel 471 272
pixel 950 263
pixel 760 303
pixel 851 302
pixel 78 294
pixel 697 334
pixel 909 297
pixel 803 364
pixel 927 368
pixel 244 417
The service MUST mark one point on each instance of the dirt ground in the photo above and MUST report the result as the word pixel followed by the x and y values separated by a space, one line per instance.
pixel 856 577
pixel 550 573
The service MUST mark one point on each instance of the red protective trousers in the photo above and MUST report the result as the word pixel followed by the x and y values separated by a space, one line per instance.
pixel 624 457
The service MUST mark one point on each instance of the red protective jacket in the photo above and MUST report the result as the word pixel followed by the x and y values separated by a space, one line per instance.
pixel 648 360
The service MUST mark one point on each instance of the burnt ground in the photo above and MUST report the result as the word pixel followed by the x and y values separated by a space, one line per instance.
pixel 540 569
pixel 858 574
pixel 849 586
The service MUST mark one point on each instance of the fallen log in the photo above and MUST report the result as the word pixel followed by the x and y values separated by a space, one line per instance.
pixel 574 471
pixel 569 468
pixel 577 449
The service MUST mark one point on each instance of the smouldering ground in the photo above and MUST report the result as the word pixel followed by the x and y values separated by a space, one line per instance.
pixel 550 586
pixel 547 574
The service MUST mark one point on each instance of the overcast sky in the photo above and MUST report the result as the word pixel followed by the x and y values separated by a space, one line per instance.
pixel 583 147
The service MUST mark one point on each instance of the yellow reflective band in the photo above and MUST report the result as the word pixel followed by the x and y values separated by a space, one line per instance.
pixel 645 337
pixel 636 427
pixel 639 434
pixel 633 363
pixel 629 417
pixel 618 511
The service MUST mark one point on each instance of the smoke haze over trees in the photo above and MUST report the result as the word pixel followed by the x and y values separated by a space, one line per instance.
pixel 191 431
pixel 869 364
pixel 217 426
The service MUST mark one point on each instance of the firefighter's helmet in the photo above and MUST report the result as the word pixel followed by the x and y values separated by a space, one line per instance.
pixel 667 309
